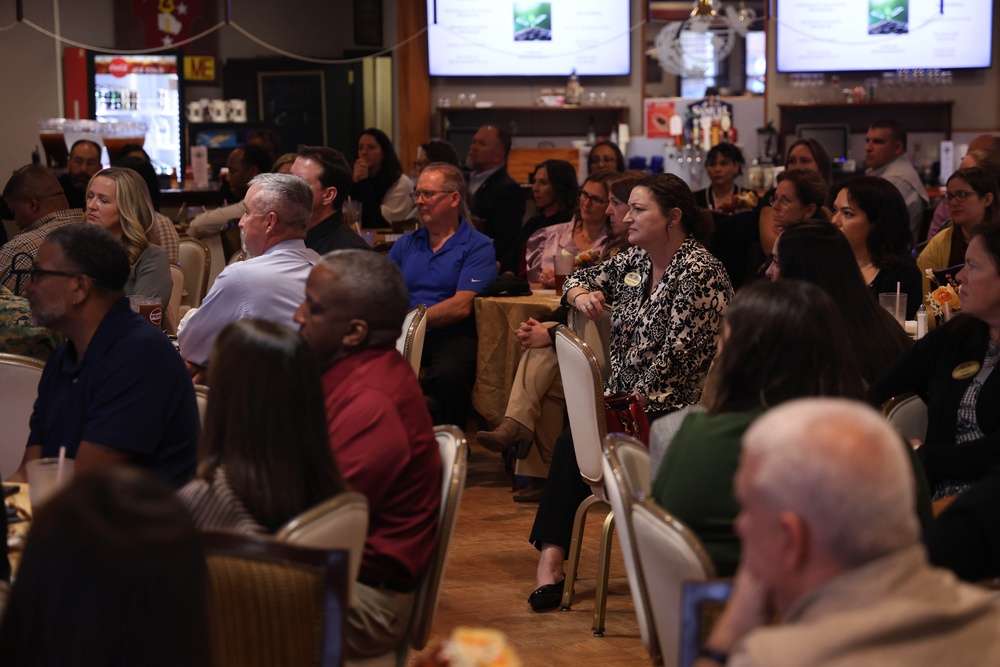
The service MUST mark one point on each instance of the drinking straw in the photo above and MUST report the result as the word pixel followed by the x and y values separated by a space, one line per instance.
pixel 897 313
pixel 61 465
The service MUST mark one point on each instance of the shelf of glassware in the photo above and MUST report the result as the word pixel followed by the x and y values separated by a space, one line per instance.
pixel 913 116
pixel 534 120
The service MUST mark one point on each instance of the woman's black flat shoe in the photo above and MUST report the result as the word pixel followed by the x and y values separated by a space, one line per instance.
pixel 547 597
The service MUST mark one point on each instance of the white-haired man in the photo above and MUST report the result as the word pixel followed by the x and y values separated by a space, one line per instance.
pixel 831 544
pixel 271 283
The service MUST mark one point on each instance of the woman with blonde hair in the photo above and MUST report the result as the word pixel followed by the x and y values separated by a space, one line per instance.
pixel 118 200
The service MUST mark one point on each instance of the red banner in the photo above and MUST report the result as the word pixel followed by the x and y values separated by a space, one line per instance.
pixel 166 22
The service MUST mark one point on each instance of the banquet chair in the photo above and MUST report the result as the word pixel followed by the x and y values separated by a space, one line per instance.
pixel 196 263
pixel 907 413
pixel 176 292
pixel 596 334
pixel 339 523
pixel 584 391
pixel 19 377
pixel 217 258
pixel 670 555
pixel 411 341
pixel 627 477
pixel 271 603
pixel 201 397
pixel 454 459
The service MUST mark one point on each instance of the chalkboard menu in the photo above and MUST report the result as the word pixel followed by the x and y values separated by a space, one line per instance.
pixel 294 104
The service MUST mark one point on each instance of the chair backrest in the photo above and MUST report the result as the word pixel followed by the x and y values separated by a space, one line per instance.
pixel 454 458
pixel 702 602
pixel 626 477
pixel 584 391
pixel 908 414
pixel 411 341
pixel 272 603
pixel 670 555
pixel 201 396
pixel 19 378
pixel 339 523
pixel 596 334
pixel 218 258
pixel 196 263
pixel 174 307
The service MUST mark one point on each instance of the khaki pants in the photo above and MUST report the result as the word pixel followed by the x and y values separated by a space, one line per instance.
pixel 376 621
pixel 537 401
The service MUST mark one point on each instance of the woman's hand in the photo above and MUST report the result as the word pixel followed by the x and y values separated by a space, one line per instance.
pixel 360 170
pixel 547 278
pixel 533 334
pixel 643 400
pixel 590 304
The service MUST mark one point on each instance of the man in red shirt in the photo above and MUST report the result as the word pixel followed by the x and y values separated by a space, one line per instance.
pixel 380 433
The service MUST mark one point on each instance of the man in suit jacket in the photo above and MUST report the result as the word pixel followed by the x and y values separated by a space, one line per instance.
pixel 497 201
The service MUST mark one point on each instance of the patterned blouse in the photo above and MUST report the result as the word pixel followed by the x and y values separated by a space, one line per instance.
pixel 661 344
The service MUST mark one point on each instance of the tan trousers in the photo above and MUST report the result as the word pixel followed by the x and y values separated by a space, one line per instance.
pixel 537 401
pixel 376 620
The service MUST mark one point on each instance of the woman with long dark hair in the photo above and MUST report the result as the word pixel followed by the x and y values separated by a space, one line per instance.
pixel 817 252
pixel 379 182
pixel 555 192
pixel 780 341
pixel 259 468
pixel 872 215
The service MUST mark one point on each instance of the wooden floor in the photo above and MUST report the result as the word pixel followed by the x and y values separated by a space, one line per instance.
pixel 491 571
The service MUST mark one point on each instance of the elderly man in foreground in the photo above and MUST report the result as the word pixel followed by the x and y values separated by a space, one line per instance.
pixel 446 263
pixel 831 543
pixel 380 434
pixel 116 391
pixel 268 285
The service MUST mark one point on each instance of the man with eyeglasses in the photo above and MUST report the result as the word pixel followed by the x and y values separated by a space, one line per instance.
pixel 496 199
pixel 116 391
pixel 37 203
pixel 885 156
pixel 84 162
pixel 446 263
pixel 270 284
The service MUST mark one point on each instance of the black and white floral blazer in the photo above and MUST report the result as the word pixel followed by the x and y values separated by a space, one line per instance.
pixel 661 344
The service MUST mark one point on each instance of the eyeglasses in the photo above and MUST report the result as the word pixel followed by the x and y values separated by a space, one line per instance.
pixel 783 200
pixel 427 195
pixel 961 195
pixel 585 196
pixel 33 273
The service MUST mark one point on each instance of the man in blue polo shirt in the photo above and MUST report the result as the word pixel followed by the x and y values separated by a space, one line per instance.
pixel 446 263
pixel 116 391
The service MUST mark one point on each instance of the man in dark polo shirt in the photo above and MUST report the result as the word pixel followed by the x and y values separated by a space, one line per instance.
pixel 116 391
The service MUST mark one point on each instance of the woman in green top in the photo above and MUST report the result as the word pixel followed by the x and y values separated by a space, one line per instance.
pixel 780 341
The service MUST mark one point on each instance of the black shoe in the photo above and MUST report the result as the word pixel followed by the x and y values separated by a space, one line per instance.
pixel 547 597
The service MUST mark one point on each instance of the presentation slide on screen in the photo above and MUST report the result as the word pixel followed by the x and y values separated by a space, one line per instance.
pixel 500 37
pixel 851 35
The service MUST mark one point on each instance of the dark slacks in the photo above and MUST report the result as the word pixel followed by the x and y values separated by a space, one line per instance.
pixel 451 372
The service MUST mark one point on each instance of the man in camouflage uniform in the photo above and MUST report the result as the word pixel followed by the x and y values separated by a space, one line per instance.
pixel 17 334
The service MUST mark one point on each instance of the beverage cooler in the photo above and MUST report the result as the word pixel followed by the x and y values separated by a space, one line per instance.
pixel 137 99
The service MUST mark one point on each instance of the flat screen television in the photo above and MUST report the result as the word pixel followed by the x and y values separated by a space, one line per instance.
pixel 871 35
pixel 506 38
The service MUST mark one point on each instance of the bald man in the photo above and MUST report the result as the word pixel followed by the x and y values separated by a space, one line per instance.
pixel 39 205
pixel 831 543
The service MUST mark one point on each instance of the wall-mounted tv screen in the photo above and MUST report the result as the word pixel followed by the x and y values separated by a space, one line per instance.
pixel 506 38
pixel 865 35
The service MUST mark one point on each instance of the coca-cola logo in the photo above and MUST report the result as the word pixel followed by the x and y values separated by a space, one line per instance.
pixel 118 67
